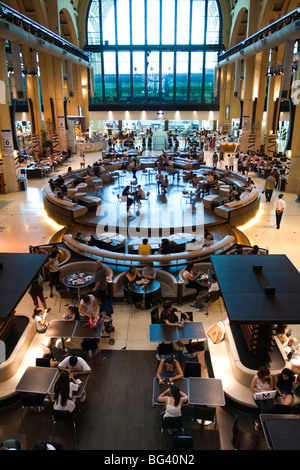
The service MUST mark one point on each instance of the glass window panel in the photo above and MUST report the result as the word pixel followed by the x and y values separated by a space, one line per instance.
pixel 182 67
pixel 96 63
pixel 138 22
pixel 108 21
pixel 213 23
pixel 168 21
pixel 167 78
pixel 123 26
pixel 153 77
pixel 124 76
pixel 211 60
pixel 93 26
pixel 196 77
pixel 109 59
pixel 198 21
pixel 138 78
pixel 183 22
pixel 153 21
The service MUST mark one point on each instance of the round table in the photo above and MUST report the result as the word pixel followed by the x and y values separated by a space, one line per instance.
pixel 78 280
pixel 144 289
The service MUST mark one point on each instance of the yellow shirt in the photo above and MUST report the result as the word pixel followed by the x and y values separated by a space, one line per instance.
pixel 144 249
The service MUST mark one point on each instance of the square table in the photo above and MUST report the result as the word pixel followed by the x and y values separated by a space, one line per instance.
pixel 160 388
pixel 79 393
pixel 205 391
pixel 81 330
pixel 60 329
pixel 281 431
pixel 37 380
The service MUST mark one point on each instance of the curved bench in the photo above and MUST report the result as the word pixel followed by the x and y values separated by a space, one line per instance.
pixel 240 212
pixel 92 251
pixel 168 285
pixel 188 291
pixel 63 212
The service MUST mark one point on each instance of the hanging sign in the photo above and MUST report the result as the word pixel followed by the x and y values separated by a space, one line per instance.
pixel 7 143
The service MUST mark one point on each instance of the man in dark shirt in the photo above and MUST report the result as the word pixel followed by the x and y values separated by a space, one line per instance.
pixel 100 281
pixel 169 317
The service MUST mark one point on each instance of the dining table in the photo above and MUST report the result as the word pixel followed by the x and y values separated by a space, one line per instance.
pixel 72 329
pixel 281 431
pixel 160 388
pixel 143 288
pixel 78 280
pixel 161 333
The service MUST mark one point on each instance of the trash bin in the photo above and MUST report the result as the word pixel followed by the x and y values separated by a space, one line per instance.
pixel 22 183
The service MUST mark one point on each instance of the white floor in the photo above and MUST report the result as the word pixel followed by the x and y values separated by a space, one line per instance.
pixel 23 223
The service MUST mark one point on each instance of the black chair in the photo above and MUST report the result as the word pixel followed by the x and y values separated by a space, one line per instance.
pixel 183 443
pixel 205 414
pixel 155 316
pixel 192 369
pixel 164 349
pixel 66 417
pixel 243 440
pixel 190 314
pixel 193 348
pixel 172 424
pixel 33 401
pixel 42 362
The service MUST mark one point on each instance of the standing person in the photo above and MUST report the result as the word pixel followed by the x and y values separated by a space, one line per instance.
pixel 53 267
pixel 36 292
pixel 100 288
pixel 280 206
pixel 269 187
pixel 230 162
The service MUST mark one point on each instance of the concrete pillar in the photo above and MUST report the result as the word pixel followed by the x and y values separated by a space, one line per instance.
pixel 7 154
pixel 293 178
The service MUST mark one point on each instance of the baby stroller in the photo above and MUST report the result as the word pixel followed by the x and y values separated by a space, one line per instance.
pixel 105 313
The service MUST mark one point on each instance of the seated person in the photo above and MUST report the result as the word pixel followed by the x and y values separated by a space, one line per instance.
pixel 169 369
pixel 127 193
pixel 139 195
pixel 149 272
pixel 159 178
pixel 168 315
pixel 164 185
pixel 190 275
pixel 103 316
pixel 214 287
pixel 284 383
pixel 79 238
pixel 208 238
pixel 164 247
pixel 39 317
pixel 131 276
pixel 263 382
pixel 38 249
pixel 145 248
pixel 72 313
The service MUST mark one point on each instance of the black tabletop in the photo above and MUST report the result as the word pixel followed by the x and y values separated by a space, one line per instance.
pixel 60 329
pixel 149 288
pixel 281 431
pixel 82 330
pixel 246 281
pixel 205 391
pixel 78 279
pixel 16 274
pixel 83 379
pixel 37 380
pixel 160 388
pixel 164 333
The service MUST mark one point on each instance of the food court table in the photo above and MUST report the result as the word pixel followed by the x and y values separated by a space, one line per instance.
pixel 78 280
pixel 164 333
pixel 72 329
pixel 160 388
pixel 281 431
pixel 144 289
pixel 37 380
pixel 205 391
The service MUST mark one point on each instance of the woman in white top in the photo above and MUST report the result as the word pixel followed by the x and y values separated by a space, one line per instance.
pixel 63 389
pixel 174 398
pixel 87 306
pixel 263 382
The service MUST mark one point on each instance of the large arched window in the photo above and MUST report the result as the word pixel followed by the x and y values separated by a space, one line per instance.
pixel 154 53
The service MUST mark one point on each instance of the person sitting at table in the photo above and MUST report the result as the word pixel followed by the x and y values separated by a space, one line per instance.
pixel 79 238
pixel 39 317
pixel 164 248
pixel 159 177
pixel 284 383
pixel 170 369
pixel 190 275
pixel 127 193
pixel 263 382
pixel 38 249
pixel 63 390
pixel 74 366
pixel 164 184
pixel 208 238
pixel 145 248
pixel 131 276
pixel 72 313
pixel 214 287
pixel 140 194
pixel 173 398
pixel 107 320
pixel 149 272
pixel 168 315
pixel 87 306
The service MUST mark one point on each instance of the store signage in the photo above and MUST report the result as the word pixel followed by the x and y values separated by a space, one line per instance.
pixel 7 143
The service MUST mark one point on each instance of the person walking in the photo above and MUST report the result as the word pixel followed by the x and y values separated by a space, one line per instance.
pixel 270 185
pixel 280 206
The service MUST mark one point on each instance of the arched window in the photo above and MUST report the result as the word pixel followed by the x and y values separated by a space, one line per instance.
pixel 154 52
